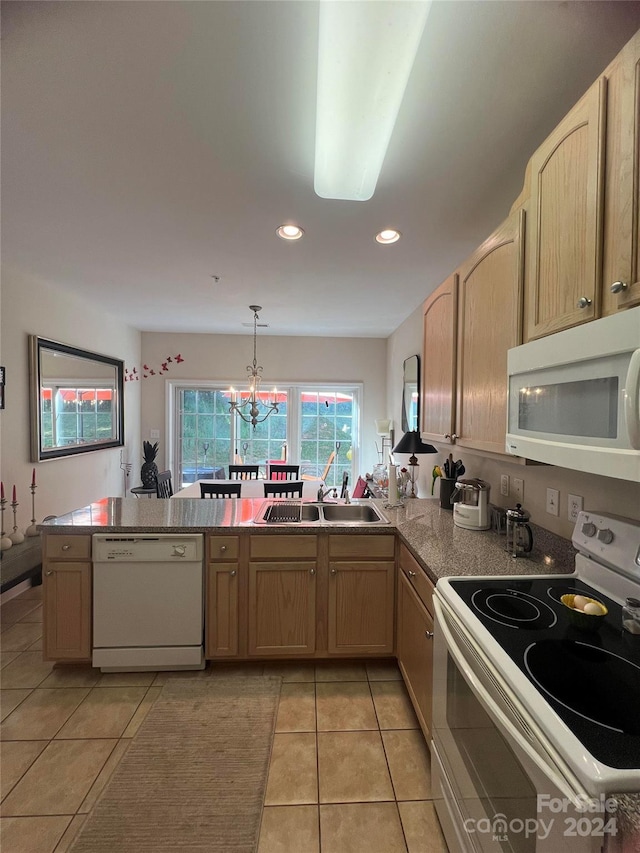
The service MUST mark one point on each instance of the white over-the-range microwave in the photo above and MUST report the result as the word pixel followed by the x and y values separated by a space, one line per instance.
pixel 574 398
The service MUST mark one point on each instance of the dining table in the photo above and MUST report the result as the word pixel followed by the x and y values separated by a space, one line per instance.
pixel 255 488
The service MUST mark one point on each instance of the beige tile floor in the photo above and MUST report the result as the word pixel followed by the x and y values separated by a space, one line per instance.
pixel 349 770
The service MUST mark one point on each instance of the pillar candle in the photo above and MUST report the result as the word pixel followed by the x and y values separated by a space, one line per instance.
pixel 2 491
pixel 14 493
pixel 33 477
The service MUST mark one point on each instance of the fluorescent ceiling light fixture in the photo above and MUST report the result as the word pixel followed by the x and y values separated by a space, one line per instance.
pixel 389 235
pixel 289 232
pixel 366 50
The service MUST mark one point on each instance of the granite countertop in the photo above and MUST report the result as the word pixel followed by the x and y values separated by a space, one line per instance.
pixel 440 547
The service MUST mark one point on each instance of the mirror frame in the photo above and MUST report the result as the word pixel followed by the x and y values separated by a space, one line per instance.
pixel 38 453
pixel 408 369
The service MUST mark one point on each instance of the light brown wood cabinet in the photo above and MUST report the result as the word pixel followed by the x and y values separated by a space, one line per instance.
pixel 361 598
pixel 470 322
pixel 415 636
pixel 66 578
pixel 621 258
pixel 222 599
pixel 489 323
pixel 584 249
pixel 437 409
pixel 282 595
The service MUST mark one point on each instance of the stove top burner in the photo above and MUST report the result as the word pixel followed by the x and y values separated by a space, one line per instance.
pixel 513 608
pixel 596 684
pixel 556 591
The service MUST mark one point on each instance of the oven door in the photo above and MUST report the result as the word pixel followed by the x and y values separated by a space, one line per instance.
pixel 496 788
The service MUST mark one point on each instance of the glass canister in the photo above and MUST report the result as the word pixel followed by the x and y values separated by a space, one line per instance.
pixel 519 534
pixel 380 476
pixel 631 616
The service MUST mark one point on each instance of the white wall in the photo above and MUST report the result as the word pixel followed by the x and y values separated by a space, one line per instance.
pixel 285 359
pixel 603 494
pixel 32 307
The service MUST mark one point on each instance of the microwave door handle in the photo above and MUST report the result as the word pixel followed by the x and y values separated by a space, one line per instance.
pixel 632 400
pixel 503 722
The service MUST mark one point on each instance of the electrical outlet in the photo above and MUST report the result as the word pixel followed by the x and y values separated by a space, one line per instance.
pixel 553 500
pixel 504 485
pixel 518 489
pixel 574 506
pixel 154 433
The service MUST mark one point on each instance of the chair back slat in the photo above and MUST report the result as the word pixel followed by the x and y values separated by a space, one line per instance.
pixel 281 471
pixel 164 486
pixel 222 490
pixel 286 489
pixel 243 472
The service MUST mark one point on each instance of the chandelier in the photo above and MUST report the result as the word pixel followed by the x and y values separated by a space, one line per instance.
pixel 250 406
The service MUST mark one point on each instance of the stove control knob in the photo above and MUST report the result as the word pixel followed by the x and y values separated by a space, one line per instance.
pixel 589 529
pixel 605 536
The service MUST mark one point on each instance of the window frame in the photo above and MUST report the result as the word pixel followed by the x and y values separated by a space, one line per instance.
pixel 294 392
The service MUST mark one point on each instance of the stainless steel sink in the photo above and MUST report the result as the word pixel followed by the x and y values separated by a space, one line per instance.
pixel 362 514
pixel 296 512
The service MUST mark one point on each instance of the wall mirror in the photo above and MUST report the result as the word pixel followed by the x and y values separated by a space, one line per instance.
pixel 76 400
pixel 410 394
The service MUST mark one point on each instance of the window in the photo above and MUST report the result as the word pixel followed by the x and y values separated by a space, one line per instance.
pixel 316 426
pixel 71 416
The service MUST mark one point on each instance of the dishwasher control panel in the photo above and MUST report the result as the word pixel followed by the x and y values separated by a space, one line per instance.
pixel 151 547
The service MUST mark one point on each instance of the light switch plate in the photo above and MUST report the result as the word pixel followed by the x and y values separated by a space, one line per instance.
pixel 553 499
pixel 574 506
pixel 504 485
pixel 518 489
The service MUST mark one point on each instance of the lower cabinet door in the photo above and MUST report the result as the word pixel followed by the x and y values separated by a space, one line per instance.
pixel 67 611
pixel 282 608
pixel 361 607
pixel 221 617
pixel 415 651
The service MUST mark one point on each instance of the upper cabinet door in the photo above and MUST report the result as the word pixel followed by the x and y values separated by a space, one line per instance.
pixel 565 256
pixel 439 362
pixel 621 266
pixel 490 322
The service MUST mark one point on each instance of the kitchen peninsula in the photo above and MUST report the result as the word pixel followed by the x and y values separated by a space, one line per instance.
pixel 288 590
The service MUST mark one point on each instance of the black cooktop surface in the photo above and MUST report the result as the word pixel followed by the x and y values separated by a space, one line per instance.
pixel 590 679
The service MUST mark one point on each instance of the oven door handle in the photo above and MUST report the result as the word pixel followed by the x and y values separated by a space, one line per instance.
pixel 578 797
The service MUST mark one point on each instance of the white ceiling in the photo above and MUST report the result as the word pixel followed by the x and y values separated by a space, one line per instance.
pixel 147 146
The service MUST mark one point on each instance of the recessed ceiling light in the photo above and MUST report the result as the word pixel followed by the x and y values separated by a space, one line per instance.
pixel 289 232
pixel 389 235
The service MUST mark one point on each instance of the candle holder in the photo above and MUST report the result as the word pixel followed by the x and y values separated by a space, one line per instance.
pixel 32 530
pixel 16 537
pixel 5 542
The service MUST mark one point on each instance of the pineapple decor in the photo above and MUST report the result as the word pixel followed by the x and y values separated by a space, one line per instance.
pixel 149 470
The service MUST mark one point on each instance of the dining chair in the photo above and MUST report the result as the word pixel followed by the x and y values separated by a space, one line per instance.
pixel 280 471
pixel 220 490
pixel 164 486
pixel 286 489
pixel 243 472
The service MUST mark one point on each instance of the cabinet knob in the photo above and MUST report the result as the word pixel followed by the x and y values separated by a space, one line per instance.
pixel 429 635
pixel 583 302
pixel 452 436
pixel 49 573
pixel 223 548
pixel 411 574
pixel 66 547
pixel 233 573
pixel 618 286
pixel 334 571
pixel 312 571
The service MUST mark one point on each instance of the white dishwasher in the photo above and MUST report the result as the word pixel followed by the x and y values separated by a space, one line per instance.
pixel 148 602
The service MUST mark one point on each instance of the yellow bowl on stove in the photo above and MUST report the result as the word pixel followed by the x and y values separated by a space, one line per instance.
pixel 580 619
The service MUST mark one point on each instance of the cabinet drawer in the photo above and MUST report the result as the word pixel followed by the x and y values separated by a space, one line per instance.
pixel 365 546
pixel 67 547
pixel 223 547
pixel 282 547
pixel 416 576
